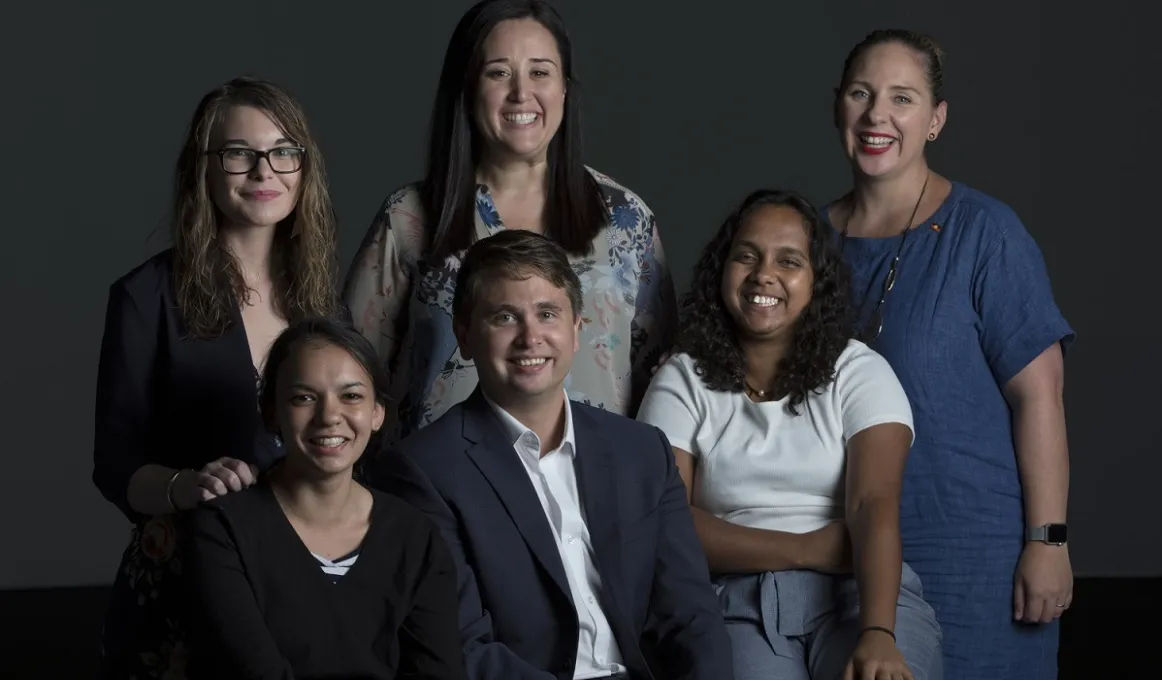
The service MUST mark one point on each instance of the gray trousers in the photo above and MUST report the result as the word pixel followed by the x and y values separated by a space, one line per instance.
pixel 804 625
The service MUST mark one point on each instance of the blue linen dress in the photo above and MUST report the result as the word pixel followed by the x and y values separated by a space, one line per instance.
pixel 971 307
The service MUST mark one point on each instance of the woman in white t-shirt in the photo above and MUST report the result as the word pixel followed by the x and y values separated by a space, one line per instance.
pixel 791 437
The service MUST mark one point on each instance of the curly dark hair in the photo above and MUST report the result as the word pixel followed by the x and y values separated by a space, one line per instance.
pixel 822 332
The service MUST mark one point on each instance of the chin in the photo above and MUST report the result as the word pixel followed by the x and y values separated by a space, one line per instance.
pixel 875 167
pixel 523 150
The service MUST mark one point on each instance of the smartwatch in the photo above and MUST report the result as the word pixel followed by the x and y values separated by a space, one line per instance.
pixel 1053 534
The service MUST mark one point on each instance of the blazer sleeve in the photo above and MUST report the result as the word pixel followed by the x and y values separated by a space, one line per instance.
pixel 125 374
pixel 429 638
pixel 685 621
pixel 228 629
pixel 484 658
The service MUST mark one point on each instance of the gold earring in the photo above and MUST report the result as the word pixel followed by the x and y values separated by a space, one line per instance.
pixel 931 136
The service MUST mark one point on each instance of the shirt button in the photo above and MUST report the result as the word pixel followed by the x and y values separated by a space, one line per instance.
pixel 591 600
pixel 572 538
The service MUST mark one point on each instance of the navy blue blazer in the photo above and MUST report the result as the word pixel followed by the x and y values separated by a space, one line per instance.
pixel 517 618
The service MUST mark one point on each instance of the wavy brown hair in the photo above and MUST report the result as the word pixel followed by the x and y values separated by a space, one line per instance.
pixel 207 277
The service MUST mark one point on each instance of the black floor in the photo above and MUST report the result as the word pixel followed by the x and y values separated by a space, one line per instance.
pixel 1106 635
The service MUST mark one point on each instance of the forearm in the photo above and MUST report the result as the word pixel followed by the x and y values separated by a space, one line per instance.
pixel 1042 459
pixel 148 489
pixel 874 527
pixel 734 549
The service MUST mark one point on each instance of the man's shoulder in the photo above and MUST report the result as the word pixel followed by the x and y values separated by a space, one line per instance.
pixel 621 431
pixel 437 437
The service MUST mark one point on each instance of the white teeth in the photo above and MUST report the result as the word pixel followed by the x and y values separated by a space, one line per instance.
pixel 530 362
pixel 520 118
pixel 762 300
pixel 876 140
pixel 329 441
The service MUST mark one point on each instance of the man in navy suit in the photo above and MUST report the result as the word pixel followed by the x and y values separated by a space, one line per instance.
pixel 574 542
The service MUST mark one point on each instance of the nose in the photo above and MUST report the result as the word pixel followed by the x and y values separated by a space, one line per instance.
pixel 763 273
pixel 530 335
pixel 877 110
pixel 262 168
pixel 327 410
pixel 518 88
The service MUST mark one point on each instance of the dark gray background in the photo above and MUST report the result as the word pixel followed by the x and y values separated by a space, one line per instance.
pixel 690 106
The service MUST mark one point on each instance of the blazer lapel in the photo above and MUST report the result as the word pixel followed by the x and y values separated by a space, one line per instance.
pixel 596 482
pixel 497 461
pixel 597 486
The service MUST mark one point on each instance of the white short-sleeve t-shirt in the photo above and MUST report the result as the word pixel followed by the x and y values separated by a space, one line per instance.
pixel 758 465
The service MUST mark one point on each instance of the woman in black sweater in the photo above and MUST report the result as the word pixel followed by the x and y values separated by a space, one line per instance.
pixel 309 574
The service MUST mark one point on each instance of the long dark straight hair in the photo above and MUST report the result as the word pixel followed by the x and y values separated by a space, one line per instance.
pixel 575 210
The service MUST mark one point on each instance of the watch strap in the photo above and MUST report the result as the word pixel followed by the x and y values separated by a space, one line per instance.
pixel 1045 532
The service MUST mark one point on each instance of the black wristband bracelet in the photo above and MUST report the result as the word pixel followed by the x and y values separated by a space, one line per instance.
pixel 880 629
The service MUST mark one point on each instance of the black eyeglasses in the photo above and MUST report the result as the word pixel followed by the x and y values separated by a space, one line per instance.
pixel 876 323
pixel 236 160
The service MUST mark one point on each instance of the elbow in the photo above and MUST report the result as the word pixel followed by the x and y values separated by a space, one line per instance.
pixel 871 510
pixel 112 479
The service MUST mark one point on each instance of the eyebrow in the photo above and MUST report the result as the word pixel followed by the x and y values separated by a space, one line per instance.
pixel 513 309
pixel 868 85
pixel 782 249
pixel 535 60
pixel 243 142
pixel 345 386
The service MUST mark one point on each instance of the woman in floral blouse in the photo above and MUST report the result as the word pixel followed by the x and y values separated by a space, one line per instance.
pixel 505 152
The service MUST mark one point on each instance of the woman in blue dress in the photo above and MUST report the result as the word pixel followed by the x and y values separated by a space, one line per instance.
pixel 954 292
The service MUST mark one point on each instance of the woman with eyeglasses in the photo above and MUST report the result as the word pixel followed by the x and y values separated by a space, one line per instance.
pixel 186 334
pixel 504 152
pixel 954 293
pixel 791 438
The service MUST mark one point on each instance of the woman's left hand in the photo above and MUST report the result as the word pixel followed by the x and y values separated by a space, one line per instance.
pixel 1043 586
pixel 876 657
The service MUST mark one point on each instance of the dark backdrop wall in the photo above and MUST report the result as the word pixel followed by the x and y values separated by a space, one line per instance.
pixel 692 108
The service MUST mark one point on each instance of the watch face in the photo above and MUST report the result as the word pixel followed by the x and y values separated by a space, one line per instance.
pixel 1055 533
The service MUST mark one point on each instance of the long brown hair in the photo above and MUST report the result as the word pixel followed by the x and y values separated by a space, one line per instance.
pixel 207 277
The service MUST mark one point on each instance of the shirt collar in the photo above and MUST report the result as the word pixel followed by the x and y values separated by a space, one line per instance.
pixel 514 429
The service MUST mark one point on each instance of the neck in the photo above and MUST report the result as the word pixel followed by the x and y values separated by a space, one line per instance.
pixel 762 363
pixel 513 177
pixel 315 499
pixel 252 247
pixel 543 415
pixel 877 203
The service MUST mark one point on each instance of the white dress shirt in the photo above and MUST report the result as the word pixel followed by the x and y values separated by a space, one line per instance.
pixel 555 481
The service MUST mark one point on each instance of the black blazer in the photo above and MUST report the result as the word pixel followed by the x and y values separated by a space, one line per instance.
pixel 166 398
pixel 263 609
pixel 517 618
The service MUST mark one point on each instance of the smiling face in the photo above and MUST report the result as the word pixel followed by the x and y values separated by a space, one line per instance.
pixel 260 197
pixel 522 334
pixel 768 279
pixel 520 96
pixel 326 409
pixel 885 112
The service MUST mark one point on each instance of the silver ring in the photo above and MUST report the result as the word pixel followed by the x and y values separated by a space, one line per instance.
pixel 1061 606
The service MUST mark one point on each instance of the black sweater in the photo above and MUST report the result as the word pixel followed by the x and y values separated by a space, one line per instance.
pixel 263 608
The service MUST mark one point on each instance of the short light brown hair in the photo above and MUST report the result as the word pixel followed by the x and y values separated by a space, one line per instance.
pixel 513 254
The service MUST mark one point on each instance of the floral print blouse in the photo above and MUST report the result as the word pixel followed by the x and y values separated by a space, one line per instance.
pixel 403 304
